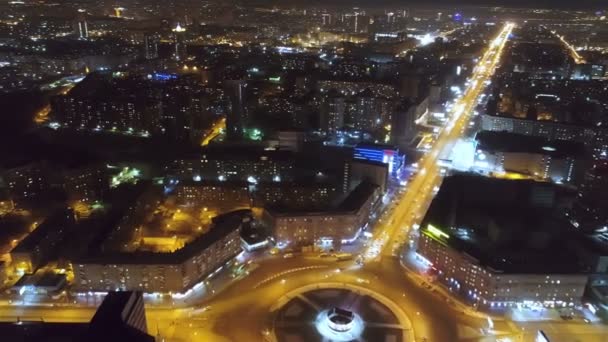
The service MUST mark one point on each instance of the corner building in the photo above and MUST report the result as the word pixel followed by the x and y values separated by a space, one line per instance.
pixel 174 272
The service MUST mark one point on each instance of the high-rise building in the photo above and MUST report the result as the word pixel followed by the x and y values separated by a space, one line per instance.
pixel 103 101
pixel 179 52
pixel 332 113
pixel 81 27
pixel 235 89
pixel 435 91
pixel 150 46
pixel 361 23
pixel 403 125
pixel 365 116
pixel 121 310
pixel 326 19
pixel 410 86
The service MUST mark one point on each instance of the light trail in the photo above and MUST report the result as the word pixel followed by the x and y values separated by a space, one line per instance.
pixel 217 128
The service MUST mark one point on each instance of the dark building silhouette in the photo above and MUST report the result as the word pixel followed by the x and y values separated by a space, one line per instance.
pixel 235 89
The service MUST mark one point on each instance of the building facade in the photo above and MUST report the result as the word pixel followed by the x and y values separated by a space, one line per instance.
pixel 294 195
pixel 214 193
pixel 338 225
pixel 494 288
pixel 86 184
pixel 594 137
pixel 174 272
pixel 265 166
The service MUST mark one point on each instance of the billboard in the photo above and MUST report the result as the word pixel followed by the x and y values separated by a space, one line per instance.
pixel 380 153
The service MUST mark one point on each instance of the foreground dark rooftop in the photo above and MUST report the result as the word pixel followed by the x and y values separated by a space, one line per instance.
pixel 511 226
pixel 519 143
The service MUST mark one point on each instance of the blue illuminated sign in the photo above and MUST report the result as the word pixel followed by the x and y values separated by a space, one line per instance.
pixel 163 77
pixel 381 154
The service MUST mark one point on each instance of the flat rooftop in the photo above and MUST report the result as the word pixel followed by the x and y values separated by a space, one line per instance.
pixel 222 226
pixel 242 152
pixel 511 226
pixel 353 201
pixel 519 143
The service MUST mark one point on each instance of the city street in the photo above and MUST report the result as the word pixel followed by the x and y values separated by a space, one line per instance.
pixel 390 236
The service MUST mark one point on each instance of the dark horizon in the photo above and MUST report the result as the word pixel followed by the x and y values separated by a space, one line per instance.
pixel 545 4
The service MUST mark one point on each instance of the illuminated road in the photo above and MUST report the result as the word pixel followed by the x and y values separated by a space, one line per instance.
pixel 241 312
pixel 217 128
pixel 575 55
pixel 577 58
pixel 42 116
pixel 390 235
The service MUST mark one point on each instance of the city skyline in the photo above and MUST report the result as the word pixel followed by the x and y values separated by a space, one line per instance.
pixel 544 4
pixel 279 171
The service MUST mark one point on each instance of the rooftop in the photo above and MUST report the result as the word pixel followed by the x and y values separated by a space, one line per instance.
pixel 511 226
pixel 222 226
pixel 352 203
pixel 519 143
pixel 247 152
pixel 377 146
pixel 51 228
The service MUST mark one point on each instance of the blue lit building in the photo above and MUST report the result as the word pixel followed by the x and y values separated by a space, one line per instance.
pixel 386 154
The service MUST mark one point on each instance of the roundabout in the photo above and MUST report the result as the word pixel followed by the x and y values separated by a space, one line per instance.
pixel 340 314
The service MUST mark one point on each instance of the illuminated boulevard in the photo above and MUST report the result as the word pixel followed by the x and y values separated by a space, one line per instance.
pixel 242 311
pixel 214 131
pixel 575 55
pixel 389 237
